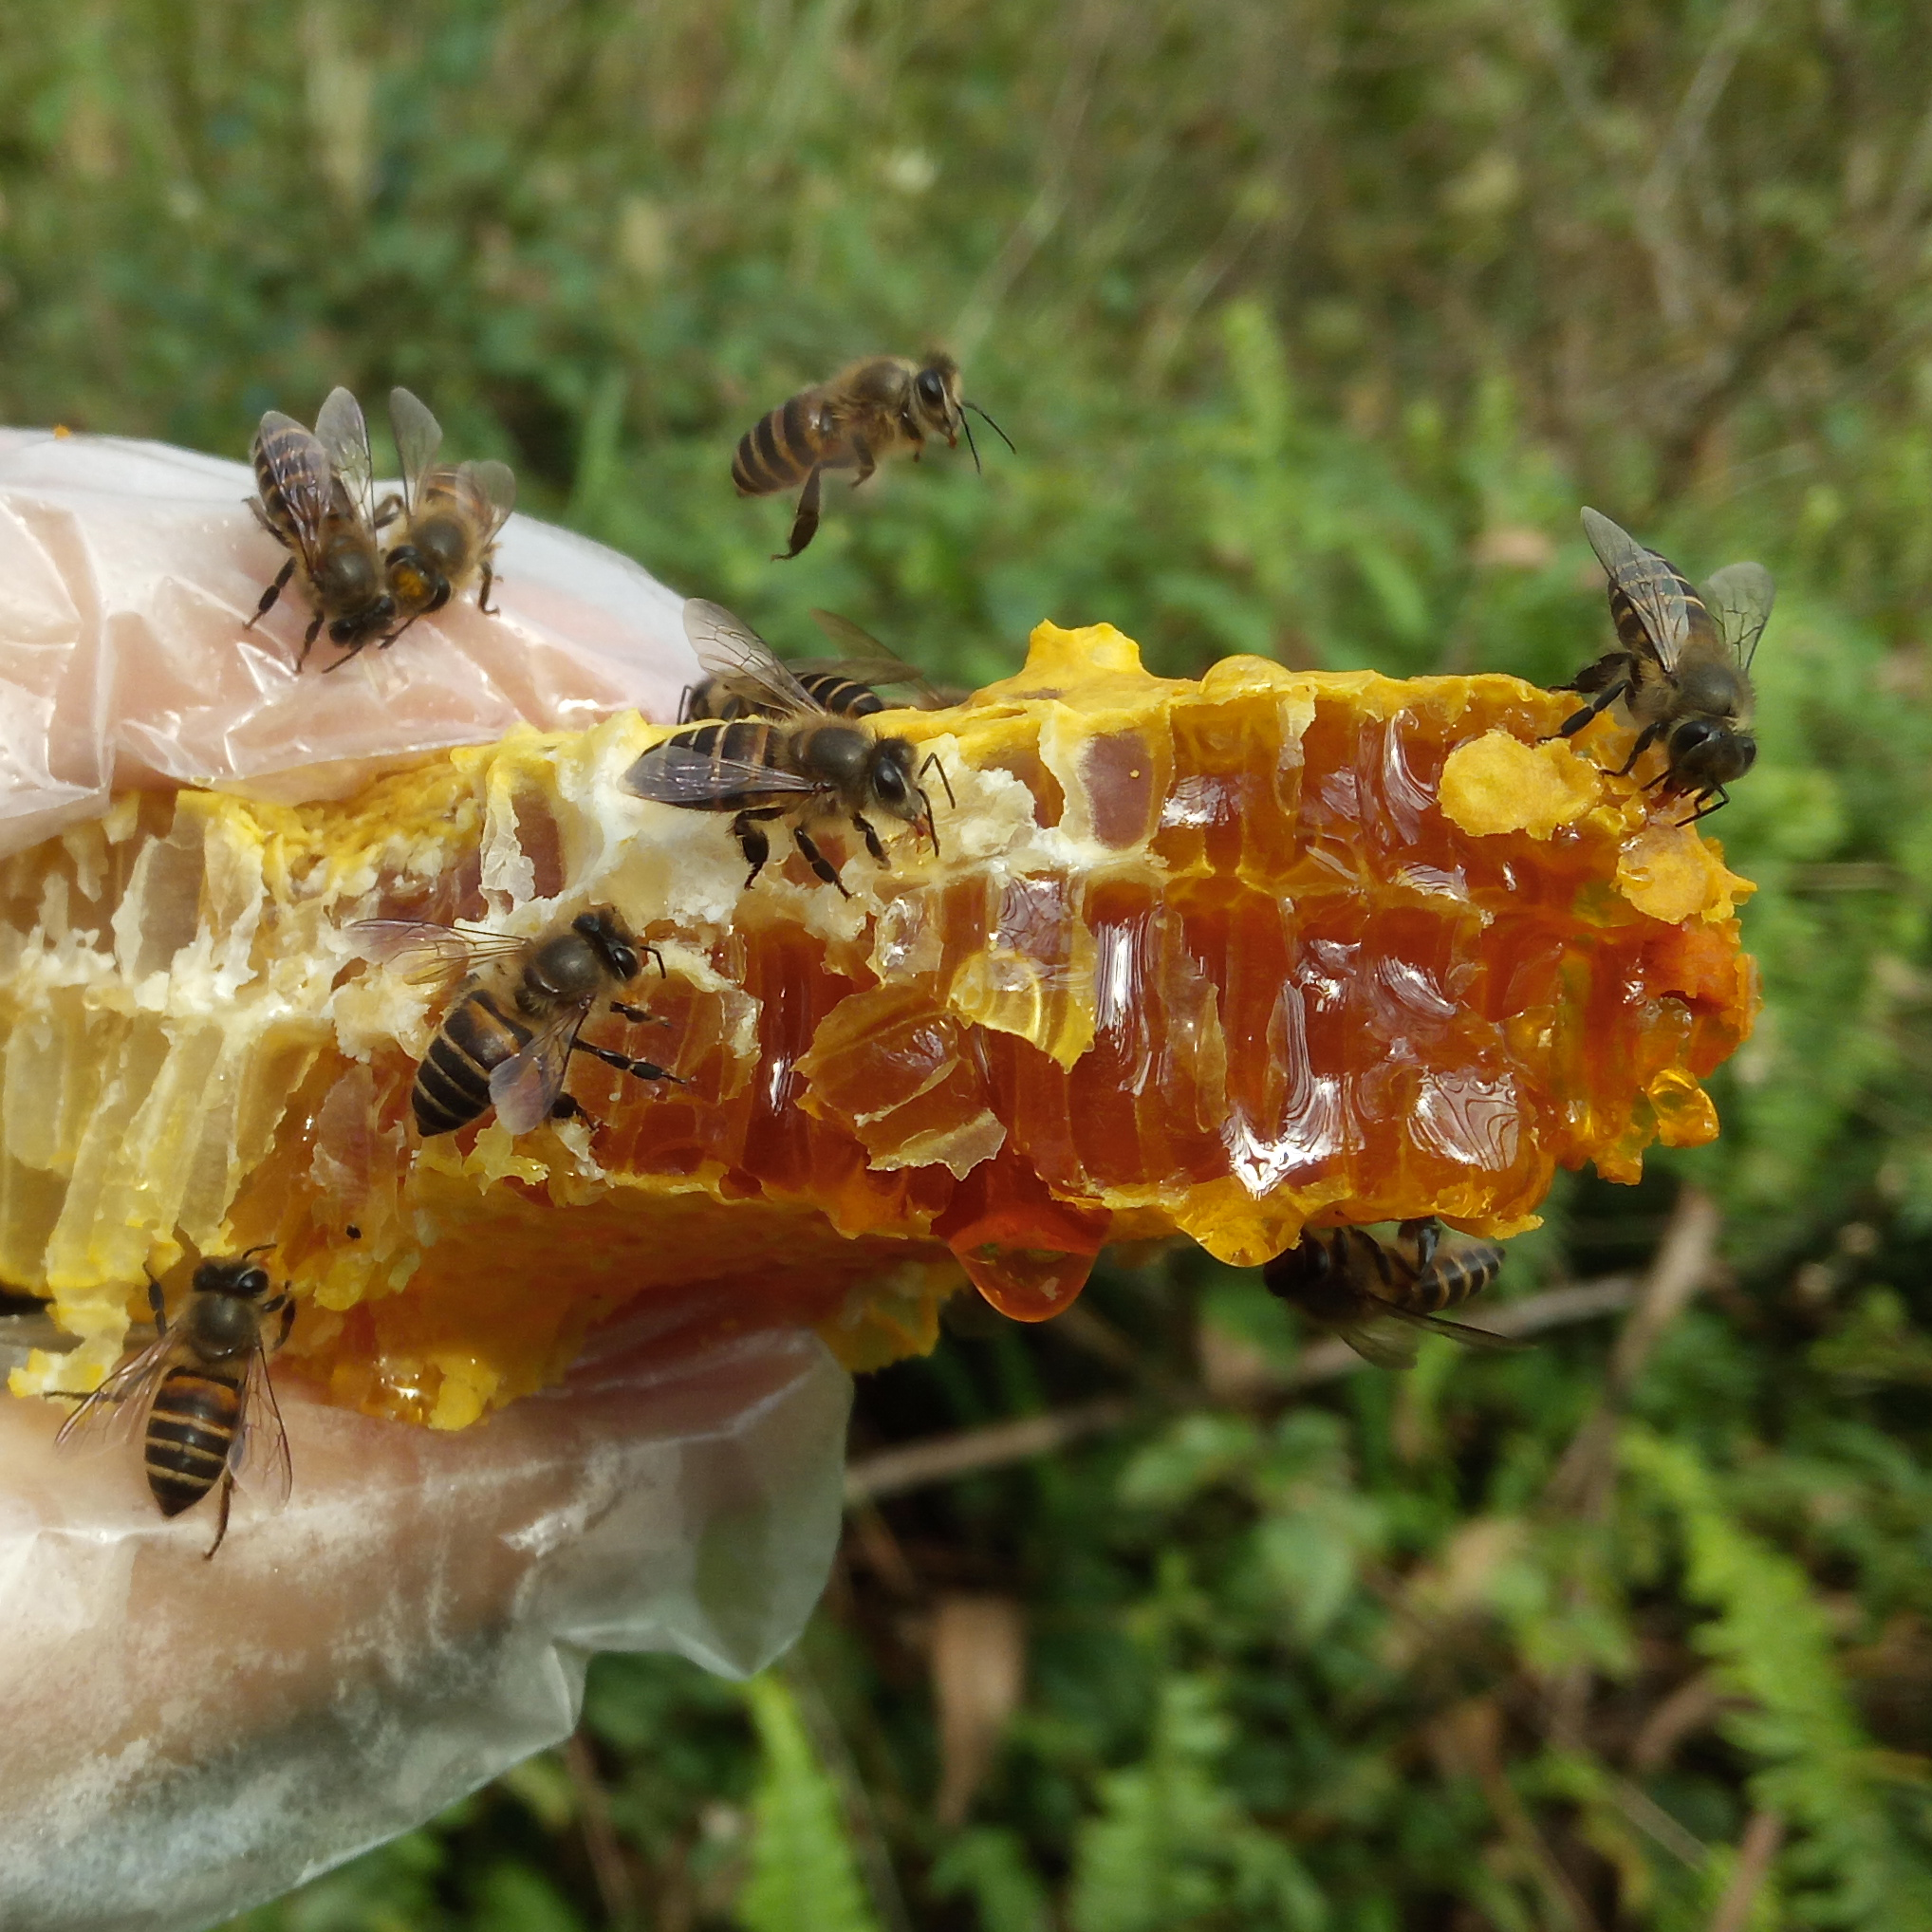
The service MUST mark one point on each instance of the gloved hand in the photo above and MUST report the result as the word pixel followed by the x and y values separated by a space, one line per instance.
pixel 185 1737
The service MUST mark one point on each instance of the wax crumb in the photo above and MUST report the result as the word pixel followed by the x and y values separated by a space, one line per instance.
pixel 1498 784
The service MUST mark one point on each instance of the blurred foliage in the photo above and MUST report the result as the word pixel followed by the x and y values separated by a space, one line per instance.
pixel 1313 322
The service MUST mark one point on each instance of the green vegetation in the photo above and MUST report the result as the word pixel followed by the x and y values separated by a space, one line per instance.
pixel 1313 323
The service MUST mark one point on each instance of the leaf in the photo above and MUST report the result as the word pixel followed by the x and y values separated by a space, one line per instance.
pixel 989 1864
pixel 1772 1639
pixel 803 1870
pixel 1173 1847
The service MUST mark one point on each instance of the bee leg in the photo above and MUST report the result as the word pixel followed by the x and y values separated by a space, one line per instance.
pixel 644 1069
pixel 270 595
pixel 817 860
pixel 637 1016
pixel 1426 1235
pixel 221 1523
pixel 287 1324
pixel 387 511
pixel 1645 738
pixel 309 638
pixel 1714 800
pixel 752 841
pixel 867 462
pixel 483 603
pixel 871 838
pixel 805 523
pixel 564 1108
pixel 156 1303
pixel 1601 701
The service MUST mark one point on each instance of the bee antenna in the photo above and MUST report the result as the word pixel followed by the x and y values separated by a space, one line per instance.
pixel 384 643
pixel 984 417
pixel 970 443
pixel 931 764
pixel 260 1248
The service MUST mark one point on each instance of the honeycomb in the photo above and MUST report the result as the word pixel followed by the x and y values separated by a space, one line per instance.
pixel 1216 958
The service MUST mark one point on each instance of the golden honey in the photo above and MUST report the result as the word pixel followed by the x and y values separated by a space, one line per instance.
pixel 1212 958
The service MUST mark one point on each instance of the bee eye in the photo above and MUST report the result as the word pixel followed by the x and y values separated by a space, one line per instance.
pixel 255 1282
pixel 932 390
pixel 626 961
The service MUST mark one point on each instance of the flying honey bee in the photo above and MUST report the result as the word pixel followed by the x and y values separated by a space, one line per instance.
pixel 794 759
pixel 845 686
pixel 451 515
pixel 1683 666
pixel 507 1038
pixel 313 497
pixel 872 410
pixel 1380 1296
pixel 199 1392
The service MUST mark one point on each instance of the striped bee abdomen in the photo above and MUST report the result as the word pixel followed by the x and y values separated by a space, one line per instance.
pixel 1456 1276
pixel 841 696
pixel 271 455
pixel 744 741
pixel 780 449
pixel 452 1084
pixel 191 1434
pixel 1632 632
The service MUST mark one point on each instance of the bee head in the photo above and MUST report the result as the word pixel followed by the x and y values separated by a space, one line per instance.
pixel 1706 753
pixel 891 782
pixel 377 615
pixel 242 1278
pixel 610 940
pixel 935 397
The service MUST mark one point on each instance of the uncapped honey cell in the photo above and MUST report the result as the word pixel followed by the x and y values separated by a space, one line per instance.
pixel 1209 958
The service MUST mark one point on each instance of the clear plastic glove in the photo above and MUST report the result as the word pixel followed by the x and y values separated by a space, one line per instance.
pixel 184 1737
pixel 127 572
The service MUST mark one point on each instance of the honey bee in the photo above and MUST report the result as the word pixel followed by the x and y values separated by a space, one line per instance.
pixel 313 497
pixel 451 515
pixel 1683 666
pixel 1379 1296
pixel 792 759
pixel 507 1038
pixel 868 412
pixel 199 1392
pixel 845 686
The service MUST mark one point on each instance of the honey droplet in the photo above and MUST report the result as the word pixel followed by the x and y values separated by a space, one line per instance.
pixel 1026 1284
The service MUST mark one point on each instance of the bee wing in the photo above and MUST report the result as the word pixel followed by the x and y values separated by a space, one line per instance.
pixel 524 1088
pixel 868 660
pixel 497 481
pixel 115 1410
pixel 421 951
pixel 419 437
pixel 300 466
pixel 1648 580
pixel 676 772
pixel 261 1445
pixel 1382 1344
pixel 730 648
pixel 1458 1331
pixel 342 432
pixel 1739 599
